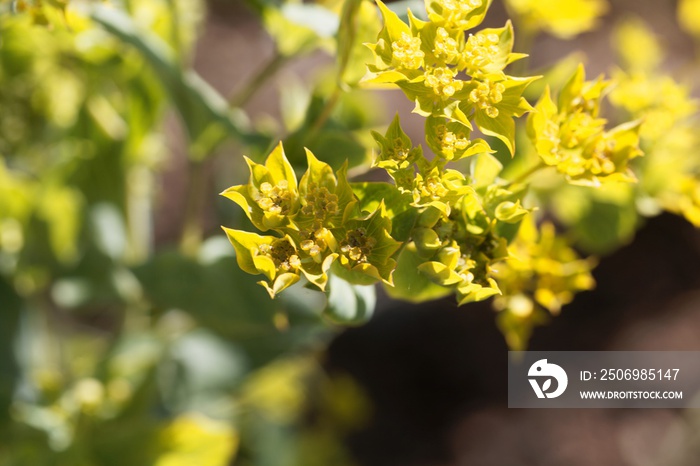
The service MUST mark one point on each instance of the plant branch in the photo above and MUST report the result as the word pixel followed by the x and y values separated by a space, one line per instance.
pixel 326 112
pixel 192 228
pixel 527 174
pixel 175 35
pixel 256 82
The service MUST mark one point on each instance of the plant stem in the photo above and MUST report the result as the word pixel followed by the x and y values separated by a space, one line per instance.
pixel 326 112
pixel 192 228
pixel 175 35
pixel 139 214
pixel 255 83
pixel 525 41
pixel 528 173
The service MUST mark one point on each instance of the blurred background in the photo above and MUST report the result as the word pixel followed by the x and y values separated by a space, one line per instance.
pixel 128 334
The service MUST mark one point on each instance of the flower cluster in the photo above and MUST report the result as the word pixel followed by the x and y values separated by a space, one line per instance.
pixel 670 178
pixel 458 230
pixel 572 137
pixel 543 273
pixel 454 228
pixel 453 77
pixel 317 223
pixel 436 229
pixel 457 80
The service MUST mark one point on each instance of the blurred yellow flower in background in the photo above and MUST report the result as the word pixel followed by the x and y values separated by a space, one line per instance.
pixel 194 439
pixel 562 19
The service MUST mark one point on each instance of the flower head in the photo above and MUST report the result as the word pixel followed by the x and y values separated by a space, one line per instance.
pixel 270 199
pixel 542 268
pixel 572 138
pixel 489 51
pixel 457 14
pixel 441 80
pixel 407 53
pixel 447 48
pixel 276 258
pixel 326 198
pixel 396 149
pixel 450 140
pixel 365 248
pixel 439 189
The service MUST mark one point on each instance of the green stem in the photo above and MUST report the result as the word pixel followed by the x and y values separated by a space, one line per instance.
pixel 525 39
pixel 192 228
pixel 326 112
pixel 527 174
pixel 240 98
pixel 139 213
pixel 175 32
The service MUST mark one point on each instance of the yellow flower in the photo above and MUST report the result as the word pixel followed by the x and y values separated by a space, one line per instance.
pixel 543 266
pixel 442 81
pixel 689 16
pixel 195 439
pixel 407 52
pixel 572 138
pixel 270 198
pixel 366 248
pixel 457 14
pixel 564 19
pixel 276 258
pixel 486 95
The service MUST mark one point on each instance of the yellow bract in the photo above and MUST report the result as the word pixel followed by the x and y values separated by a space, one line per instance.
pixel 315 222
pixel 542 272
pixel 572 137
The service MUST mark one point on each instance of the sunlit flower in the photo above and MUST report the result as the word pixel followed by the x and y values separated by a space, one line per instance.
pixel 271 197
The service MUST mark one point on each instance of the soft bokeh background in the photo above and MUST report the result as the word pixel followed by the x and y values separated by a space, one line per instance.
pixel 128 335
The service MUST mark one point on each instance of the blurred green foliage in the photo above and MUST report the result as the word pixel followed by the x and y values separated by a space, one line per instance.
pixel 113 349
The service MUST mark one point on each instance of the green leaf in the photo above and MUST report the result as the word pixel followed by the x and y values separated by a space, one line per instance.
pixel 218 293
pixel 359 24
pixel 299 28
pixel 349 304
pixel 393 26
pixel 440 273
pixel 600 219
pixel 409 283
pixel 485 170
pixel 427 241
pixel 474 292
pixel 203 110
pixel 397 204
pixel 372 193
pixel 9 327
pixel 501 127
